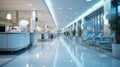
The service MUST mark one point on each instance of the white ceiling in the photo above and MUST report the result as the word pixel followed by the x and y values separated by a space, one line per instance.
pixel 20 4
pixel 65 11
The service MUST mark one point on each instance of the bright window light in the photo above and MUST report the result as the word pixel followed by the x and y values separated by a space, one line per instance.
pixel 29 5
pixel 119 9
pixel 8 16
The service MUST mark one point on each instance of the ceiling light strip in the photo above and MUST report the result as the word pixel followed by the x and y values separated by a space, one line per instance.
pixel 50 8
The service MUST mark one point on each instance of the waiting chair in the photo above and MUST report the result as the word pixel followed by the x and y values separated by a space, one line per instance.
pixel 85 39
pixel 94 39
pixel 106 41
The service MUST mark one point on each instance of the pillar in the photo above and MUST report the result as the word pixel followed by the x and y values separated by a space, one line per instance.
pixel 17 19
pixel 106 15
pixel 33 21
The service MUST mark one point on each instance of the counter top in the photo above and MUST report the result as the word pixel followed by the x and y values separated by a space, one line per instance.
pixel 13 41
pixel 13 32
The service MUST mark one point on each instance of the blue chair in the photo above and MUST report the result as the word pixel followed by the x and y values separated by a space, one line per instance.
pixel 106 41
pixel 85 39
pixel 91 40
pixel 94 38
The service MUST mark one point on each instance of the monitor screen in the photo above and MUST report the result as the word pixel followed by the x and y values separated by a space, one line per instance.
pixel 2 28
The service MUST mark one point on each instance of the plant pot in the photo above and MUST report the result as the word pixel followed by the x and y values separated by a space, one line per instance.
pixel 70 37
pixel 116 50
pixel 73 38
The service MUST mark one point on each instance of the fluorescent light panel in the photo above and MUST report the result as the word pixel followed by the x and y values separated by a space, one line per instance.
pixel 88 0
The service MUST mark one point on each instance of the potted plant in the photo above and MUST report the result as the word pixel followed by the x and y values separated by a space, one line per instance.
pixel 74 32
pixel 67 33
pixel 115 27
pixel 79 32
pixel 114 22
pixel 64 33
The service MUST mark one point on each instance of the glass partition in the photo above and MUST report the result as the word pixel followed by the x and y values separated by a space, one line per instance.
pixel 94 22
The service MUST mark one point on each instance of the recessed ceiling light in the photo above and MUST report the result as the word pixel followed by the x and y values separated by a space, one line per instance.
pixel 75 13
pixel 88 0
pixel 34 8
pixel 66 16
pixel 60 8
pixel 29 5
pixel 70 8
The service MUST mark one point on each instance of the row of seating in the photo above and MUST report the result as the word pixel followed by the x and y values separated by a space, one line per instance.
pixel 98 40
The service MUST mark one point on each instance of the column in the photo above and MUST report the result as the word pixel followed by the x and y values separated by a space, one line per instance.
pixel 83 26
pixel 105 18
pixel 33 21
pixel 17 19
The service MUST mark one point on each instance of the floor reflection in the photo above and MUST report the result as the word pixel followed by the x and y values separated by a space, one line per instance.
pixel 60 52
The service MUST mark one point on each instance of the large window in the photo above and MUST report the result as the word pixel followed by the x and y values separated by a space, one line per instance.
pixel 115 7
pixel 119 8
pixel 94 22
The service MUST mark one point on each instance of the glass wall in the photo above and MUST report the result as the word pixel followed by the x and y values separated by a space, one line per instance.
pixel 119 8
pixel 94 22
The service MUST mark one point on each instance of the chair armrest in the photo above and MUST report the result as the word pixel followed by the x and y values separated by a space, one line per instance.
pixel 107 38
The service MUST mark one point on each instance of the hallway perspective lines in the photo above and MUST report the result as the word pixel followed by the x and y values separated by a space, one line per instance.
pixel 56 54
pixel 71 54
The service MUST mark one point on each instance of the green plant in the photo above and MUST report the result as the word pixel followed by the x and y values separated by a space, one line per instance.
pixel 115 26
pixel 79 31
pixel 74 32
pixel 67 33
pixel 64 33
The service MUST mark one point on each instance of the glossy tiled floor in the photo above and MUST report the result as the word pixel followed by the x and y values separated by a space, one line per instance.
pixel 59 53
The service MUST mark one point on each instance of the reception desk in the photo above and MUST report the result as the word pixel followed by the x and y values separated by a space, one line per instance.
pixel 33 39
pixel 14 41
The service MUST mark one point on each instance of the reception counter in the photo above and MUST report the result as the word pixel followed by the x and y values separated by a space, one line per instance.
pixel 33 39
pixel 14 41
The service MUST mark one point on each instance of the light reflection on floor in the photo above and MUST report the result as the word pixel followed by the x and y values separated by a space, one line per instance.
pixel 59 53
